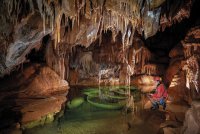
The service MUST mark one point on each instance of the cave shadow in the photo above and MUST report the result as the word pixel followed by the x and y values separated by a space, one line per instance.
pixel 11 90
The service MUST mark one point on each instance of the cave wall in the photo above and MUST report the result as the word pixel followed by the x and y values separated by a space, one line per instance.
pixel 112 63
pixel 183 72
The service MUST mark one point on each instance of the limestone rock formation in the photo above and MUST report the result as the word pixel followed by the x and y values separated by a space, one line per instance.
pixel 24 23
pixel 24 37
pixel 182 73
pixel 176 52
pixel 37 94
pixel 192 63
pixel 40 111
pixel 35 80
pixel 192 119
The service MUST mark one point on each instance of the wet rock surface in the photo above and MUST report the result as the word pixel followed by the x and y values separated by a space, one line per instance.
pixel 41 111
pixel 173 116
pixel 192 119
pixel 32 97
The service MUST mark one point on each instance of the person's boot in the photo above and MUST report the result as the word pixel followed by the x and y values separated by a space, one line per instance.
pixel 164 106
pixel 155 107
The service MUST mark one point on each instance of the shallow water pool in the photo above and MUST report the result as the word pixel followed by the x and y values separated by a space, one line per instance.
pixel 87 119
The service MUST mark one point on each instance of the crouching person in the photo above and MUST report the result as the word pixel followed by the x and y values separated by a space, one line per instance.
pixel 160 95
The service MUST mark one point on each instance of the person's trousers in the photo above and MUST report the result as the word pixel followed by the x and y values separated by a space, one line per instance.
pixel 158 102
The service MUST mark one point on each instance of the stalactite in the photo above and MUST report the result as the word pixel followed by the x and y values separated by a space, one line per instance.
pixel 67 75
pixel 44 23
pixel 57 29
pixel 62 61
pixel 143 58
pixel 192 72
pixel 118 17
pixel 136 55
pixel 137 58
pixel 133 57
pixel 10 7
pixel 146 56
pixel 140 57
pixel 149 69
pixel 15 8
pixel 190 48
pixel 188 51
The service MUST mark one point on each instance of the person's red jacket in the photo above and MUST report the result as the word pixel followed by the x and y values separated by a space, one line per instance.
pixel 160 92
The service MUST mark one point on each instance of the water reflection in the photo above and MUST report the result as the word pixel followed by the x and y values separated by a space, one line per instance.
pixel 87 119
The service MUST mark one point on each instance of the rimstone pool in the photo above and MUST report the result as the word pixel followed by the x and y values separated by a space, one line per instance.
pixel 86 118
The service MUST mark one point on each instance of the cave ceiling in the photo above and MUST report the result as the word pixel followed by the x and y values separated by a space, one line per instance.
pixel 24 23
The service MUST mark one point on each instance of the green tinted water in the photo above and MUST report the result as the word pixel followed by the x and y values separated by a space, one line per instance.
pixel 87 119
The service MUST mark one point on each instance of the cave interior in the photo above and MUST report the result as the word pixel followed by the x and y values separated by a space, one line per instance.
pixel 52 51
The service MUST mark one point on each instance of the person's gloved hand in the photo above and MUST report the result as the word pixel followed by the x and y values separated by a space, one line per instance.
pixel 153 91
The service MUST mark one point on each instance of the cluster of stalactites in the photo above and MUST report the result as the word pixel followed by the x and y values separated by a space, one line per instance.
pixel 56 14
pixel 192 66
pixel 56 59
pixel 15 8
pixel 190 49
pixel 141 56
pixel 86 62
pixel 176 13
pixel 124 16
pixel 192 72
pixel 138 59
pixel 149 69
pixel 114 15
